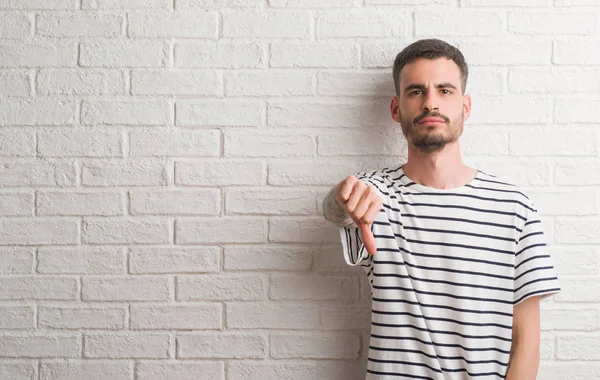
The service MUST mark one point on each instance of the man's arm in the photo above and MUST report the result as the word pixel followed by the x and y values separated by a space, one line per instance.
pixel 335 213
pixel 525 351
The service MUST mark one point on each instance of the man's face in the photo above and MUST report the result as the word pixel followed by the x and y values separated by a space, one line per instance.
pixel 431 107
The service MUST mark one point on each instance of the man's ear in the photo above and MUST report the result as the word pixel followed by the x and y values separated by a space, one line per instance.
pixel 467 107
pixel 395 109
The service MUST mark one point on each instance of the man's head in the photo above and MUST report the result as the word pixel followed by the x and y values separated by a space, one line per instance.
pixel 430 77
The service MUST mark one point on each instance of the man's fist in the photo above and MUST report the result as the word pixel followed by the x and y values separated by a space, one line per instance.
pixel 362 203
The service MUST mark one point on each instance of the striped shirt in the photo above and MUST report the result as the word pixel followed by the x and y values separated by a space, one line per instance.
pixel 450 265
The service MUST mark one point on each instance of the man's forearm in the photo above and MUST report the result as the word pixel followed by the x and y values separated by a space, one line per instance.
pixel 335 213
pixel 523 363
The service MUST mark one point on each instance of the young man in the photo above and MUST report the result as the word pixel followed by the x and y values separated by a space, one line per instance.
pixel 456 258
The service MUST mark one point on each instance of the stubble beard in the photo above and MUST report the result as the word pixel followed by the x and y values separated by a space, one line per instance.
pixel 428 141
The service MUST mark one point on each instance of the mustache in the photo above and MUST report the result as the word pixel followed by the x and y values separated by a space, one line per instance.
pixel 431 114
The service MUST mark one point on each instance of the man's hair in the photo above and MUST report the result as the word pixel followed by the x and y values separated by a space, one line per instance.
pixel 431 48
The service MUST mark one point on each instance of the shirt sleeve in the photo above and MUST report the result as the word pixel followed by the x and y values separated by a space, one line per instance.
pixel 354 250
pixel 534 270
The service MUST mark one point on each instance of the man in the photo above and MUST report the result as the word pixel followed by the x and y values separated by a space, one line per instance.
pixel 456 258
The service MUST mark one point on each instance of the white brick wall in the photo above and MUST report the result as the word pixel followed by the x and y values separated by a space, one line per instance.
pixel 163 164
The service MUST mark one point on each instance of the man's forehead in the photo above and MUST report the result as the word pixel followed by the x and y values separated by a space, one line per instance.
pixel 439 69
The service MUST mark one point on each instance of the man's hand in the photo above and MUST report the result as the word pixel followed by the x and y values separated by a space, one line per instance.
pixel 362 203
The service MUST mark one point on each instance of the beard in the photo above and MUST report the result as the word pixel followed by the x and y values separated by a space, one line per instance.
pixel 425 138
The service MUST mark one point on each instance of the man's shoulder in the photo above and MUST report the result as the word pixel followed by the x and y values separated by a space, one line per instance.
pixel 504 188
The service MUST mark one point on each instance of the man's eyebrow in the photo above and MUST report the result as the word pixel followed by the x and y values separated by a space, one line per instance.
pixel 420 86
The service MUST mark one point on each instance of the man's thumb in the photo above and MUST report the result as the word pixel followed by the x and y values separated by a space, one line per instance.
pixel 368 238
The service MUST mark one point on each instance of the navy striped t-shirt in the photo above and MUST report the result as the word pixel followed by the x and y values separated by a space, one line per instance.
pixel 450 266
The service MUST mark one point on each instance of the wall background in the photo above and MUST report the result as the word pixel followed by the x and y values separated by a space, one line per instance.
pixel 163 165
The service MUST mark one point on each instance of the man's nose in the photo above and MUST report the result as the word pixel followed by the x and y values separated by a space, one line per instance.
pixel 431 103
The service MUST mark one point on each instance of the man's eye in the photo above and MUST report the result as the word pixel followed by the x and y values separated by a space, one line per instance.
pixel 446 91
pixel 416 92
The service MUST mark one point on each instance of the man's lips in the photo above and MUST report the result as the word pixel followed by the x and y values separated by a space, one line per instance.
pixel 432 120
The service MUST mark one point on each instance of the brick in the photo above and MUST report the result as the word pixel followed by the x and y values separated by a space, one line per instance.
pixel 312 4
pixel 302 231
pixel 409 2
pixel 17 317
pixel 134 172
pixel 19 371
pixel 566 370
pixel 199 202
pixel 17 143
pixel 15 83
pixel 182 24
pixel 314 54
pixel 174 260
pixel 37 112
pixel 547 346
pixel 211 113
pixel 313 287
pixel 269 202
pixel 261 143
pixel 566 203
pixel 522 172
pixel 81 82
pixel 458 23
pixel 127 4
pixel 272 83
pixel 524 109
pixel 574 3
pixel 295 173
pixel 81 260
pixel 508 51
pixel 578 290
pixel 167 142
pixel 92 370
pixel 360 143
pixel 76 204
pixel 16 204
pixel 220 230
pixel 126 346
pixel 554 79
pixel 38 54
pixel 381 54
pixel 16 260
pixel 568 110
pixel 265 24
pixel 137 112
pixel 222 287
pixel 575 260
pixel 82 318
pixel 15 25
pixel 180 82
pixel 272 315
pixel 554 23
pixel 79 25
pixel 199 4
pixel 169 317
pixel 320 345
pixel 574 51
pixel 346 317
pixel 37 173
pixel 486 81
pixel 578 347
pixel 331 259
pixel 504 3
pixel 219 55
pixel 38 231
pixel 295 370
pixel 222 345
pixel 363 23
pixel 179 370
pixel 572 319
pixel 578 231
pixel 136 289
pixel 37 287
pixel 138 53
pixel 218 172
pixel 267 257
pixel 485 141
pixel 577 172
pixel 567 141
pixel 40 346
pixel 121 231
pixel 39 4
pixel 335 83
pixel 80 143
pixel 335 113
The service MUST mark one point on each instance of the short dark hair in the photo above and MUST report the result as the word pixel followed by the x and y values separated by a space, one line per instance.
pixel 430 48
